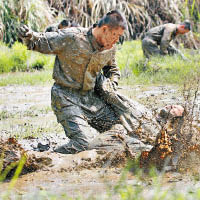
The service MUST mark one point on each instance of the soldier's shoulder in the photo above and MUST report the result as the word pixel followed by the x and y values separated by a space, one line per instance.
pixel 155 29
pixel 170 26
pixel 51 28
pixel 75 31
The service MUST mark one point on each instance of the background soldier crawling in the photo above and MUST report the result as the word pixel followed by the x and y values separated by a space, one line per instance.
pixel 84 96
pixel 162 36
pixel 65 23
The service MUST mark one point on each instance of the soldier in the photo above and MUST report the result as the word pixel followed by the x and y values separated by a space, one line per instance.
pixel 84 96
pixel 162 36
pixel 63 24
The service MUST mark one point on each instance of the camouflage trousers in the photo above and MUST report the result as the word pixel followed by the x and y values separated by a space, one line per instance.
pixel 83 117
pixel 88 122
pixel 150 47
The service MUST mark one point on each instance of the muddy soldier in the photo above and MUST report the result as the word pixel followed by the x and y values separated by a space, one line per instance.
pixel 65 23
pixel 157 40
pixel 84 96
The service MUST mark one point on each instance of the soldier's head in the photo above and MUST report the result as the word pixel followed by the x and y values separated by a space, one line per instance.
pixel 109 29
pixel 184 27
pixel 64 24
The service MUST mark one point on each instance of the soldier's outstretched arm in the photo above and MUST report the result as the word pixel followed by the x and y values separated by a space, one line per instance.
pixel 48 43
pixel 173 50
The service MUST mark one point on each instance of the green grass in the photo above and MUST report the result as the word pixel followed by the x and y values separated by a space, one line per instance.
pixel 135 69
pixel 27 78
pixel 19 59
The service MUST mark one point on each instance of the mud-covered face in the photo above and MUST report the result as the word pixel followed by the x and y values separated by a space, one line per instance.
pixel 109 36
pixel 182 29
pixel 169 112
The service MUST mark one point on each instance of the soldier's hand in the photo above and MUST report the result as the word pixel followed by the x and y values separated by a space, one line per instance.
pixel 184 58
pixel 128 122
pixel 24 32
pixel 105 84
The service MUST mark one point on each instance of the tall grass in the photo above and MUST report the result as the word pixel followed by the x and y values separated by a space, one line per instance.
pixel 35 13
pixel 191 10
pixel 140 15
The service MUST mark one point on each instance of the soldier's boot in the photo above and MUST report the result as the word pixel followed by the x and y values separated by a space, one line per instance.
pixel 80 134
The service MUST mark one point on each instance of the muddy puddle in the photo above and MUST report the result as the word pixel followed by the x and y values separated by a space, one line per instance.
pixel 25 114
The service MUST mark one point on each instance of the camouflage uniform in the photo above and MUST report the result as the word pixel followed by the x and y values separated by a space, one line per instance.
pixel 63 24
pixel 52 28
pixel 79 101
pixel 160 36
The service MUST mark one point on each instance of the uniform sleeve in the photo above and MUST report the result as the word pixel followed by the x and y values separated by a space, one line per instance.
pixel 172 49
pixel 111 70
pixel 166 39
pixel 50 42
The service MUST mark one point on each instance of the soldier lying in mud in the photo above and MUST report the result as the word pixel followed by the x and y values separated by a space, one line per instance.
pixel 84 97
pixel 157 40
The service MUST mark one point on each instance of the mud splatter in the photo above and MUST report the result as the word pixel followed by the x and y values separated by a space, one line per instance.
pixel 11 154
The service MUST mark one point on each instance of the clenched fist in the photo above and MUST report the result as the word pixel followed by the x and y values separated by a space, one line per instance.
pixel 24 32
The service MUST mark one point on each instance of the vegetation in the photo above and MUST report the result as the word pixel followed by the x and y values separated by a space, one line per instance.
pixel 18 59
pixel 35 13
pixel 157 70
pixel 134 68
pixel 140 15
pixel 144 187
pixel 19 66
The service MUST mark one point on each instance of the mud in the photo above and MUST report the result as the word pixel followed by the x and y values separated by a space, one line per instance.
pixel 26 115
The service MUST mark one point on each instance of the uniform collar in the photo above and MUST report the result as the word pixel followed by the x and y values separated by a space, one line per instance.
pixel 93 40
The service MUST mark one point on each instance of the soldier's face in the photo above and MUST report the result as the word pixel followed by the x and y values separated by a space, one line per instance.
pixel 182 30
pixel 110 36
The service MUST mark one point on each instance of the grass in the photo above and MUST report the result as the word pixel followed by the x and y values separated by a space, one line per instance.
pixel 26 78
pixel 29 130
pixel 134 68
pixel 143 187
pixel 19 59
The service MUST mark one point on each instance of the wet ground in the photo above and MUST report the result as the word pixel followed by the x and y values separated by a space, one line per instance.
pixel 25 113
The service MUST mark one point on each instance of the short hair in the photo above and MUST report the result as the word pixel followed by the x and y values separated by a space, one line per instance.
pixel 187 24
pixel 113 19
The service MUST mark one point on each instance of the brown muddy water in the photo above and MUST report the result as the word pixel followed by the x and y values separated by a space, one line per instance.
pixel 25 113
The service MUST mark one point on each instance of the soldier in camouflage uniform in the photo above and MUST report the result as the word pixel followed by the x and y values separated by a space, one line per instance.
pixel 84 96
pixel 157 40
pixel 65 23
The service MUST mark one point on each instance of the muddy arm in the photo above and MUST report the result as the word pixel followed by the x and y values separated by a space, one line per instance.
pixel 173 50
pixel 166 39
pixel 48 43
pixel 111 70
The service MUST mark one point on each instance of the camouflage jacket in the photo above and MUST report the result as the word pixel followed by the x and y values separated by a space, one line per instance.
pixel 52 28
pixel 79 58
pixel 163 35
